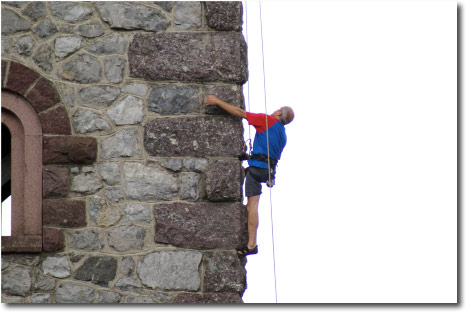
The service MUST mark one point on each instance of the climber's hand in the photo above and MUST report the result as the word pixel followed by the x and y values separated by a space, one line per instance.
pixel 211 100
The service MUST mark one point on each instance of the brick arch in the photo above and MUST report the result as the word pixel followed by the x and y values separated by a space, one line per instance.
pixel 38 99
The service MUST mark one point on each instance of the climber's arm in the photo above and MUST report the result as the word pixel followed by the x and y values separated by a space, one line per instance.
pixel 233 110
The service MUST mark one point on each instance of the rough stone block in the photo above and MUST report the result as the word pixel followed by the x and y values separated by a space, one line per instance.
pixel 207 298
pixel 189 186
pixel 114 67
pixel 72 293
pixel 16 281
pixel 13 23
pixel 110 172
pixel 86 183
pixel 224 272
pixel 135 212
pixel 171 270
pixel 224 15
pixel 43 57
pixel 43 95
pixel 98 270
pixel 173 100
pixel 115 44
pixel 87 240
pixel 198 57
pixel 55 182
pixel 85 121
pixel 128 111
pixel 89 30
pixel 98 96
pixel 4 64
pixel 224 180
pixel 53 240
pixel 24 45
pixel 187 15
pixel 108 297
pixel 70 11
pixel 46 28
pixel 20 77
pixel 83 68
pixel 194 136
pixel 75 150
pixel 66 213
pixel 125 238
pixel 132 16
pixel 102 212
pixel 201 225
pixel 231 94
pixel 64 46
pixel 56 266
pixel 35 10
pixel 122 144
pixel 149 183
pixel 56 121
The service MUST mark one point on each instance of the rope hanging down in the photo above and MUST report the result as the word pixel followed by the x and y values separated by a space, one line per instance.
pixel 268 153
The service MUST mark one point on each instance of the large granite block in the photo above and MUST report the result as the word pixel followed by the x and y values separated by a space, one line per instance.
pixel 199 57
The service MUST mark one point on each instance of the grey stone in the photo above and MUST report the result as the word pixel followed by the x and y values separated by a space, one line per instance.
pixel 70 11
pixel 128 111
pixel 87 240
pixel 127 266
pixel 110 172
pixel 128 284
pixel 137 212
pixel 187 15
pixel 72 293
pixel 85 120
pixel 122 144
pixel 98 270
pixel 137 299
pixel 166 5
pixel 115 44
pixel 102 212
pixel 172 164
pixel 24 45
pixel 45 29
pixel 89 30
pixel 114 194
pixel 67 93
pixel 13 299
pixel 173 100
pixel 224 180
pixel 132 16
pixel 16 4
pixel 201 225
pixel 5 263
pixel 43 57
pixel 194 136
pixel 16 281
pixel 83 68
pixel 6 42
pixel 189 56
pixel 136 88
pixel 231 94
pixel 190 186
pixel 24 259
pixel 108 297
pixel 195 164
pixel 44 283
pixel 223 272
pixel 114 67
pixel 64 46
pixel 35 10
pixel 40 298
pixel 86 183
pixel 13 23
pixel 171 270
pixel 149 183
pixel 125 238
pixel 98 96
pixel 56 266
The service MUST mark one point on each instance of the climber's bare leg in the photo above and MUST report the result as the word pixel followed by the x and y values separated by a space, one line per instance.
pixel 253 220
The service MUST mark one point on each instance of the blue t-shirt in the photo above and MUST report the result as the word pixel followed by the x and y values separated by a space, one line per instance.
pixel 277 138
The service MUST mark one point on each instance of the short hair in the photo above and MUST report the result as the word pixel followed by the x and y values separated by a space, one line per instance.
pixel 287 115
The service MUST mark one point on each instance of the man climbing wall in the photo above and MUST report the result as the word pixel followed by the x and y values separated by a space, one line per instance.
pixel 258 171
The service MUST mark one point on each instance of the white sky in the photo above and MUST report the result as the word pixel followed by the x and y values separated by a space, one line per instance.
pixel 365 203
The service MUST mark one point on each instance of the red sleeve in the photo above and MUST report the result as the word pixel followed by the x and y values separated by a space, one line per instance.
pixel 258 121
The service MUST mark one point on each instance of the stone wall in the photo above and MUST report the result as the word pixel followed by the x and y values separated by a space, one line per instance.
pixel 142 187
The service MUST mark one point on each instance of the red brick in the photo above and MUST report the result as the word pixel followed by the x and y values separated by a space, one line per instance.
pixel 20 78
pixel 56 121
pixel 55 181
pixel 53 240
pixel 43 95
pixel 66 213
pixel 69 150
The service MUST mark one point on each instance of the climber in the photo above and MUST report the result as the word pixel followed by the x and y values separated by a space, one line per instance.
pixel 258 171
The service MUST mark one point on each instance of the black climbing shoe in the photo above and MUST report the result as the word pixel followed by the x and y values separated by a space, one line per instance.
pixel 245 251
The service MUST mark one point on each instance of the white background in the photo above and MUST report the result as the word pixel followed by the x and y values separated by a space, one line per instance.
pixel 365 201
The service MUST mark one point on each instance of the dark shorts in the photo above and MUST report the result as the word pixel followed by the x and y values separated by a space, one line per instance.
pixel 254 178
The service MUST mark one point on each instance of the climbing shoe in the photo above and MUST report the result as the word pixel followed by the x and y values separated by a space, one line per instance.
pixel 245 251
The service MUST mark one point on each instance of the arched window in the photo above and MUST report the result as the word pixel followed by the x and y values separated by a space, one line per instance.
pixel 25 173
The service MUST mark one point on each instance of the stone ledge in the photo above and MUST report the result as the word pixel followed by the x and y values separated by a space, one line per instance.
pixel 196 57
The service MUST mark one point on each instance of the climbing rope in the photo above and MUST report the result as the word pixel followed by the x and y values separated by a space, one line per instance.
pixel 249 83
pixel 268 152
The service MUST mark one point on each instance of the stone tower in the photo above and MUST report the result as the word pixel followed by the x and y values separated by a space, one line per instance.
pixel 125 187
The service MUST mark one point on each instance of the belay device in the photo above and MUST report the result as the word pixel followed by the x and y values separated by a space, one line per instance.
pixel 272 168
